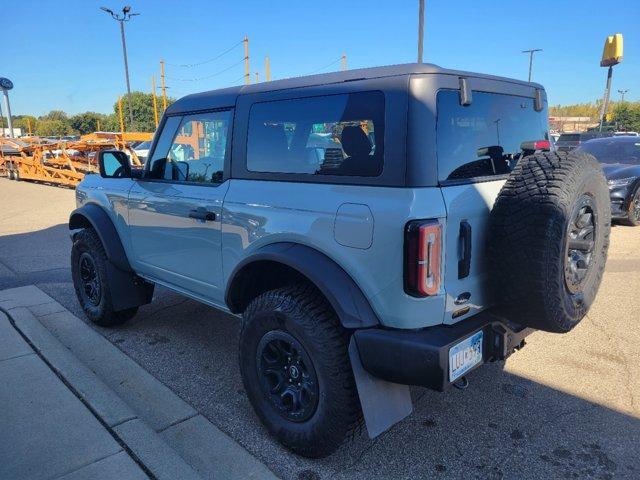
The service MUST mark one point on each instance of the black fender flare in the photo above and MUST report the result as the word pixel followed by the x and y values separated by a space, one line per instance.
pixel 93 215
pixel 127 289
pixel 342 292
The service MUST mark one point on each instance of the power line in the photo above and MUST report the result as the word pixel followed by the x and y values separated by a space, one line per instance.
pixel 189 65
pixel 326 66
pixel 207 76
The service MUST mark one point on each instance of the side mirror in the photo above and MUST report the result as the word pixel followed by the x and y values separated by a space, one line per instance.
pixel 114 164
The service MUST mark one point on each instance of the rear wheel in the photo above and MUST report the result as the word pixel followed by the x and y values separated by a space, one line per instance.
pixel 88 270
pixel 549 239
pixel 633 219
pixel 296 370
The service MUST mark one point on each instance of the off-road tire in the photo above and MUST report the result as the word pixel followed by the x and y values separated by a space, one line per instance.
pixel 87 243
pixel 632 221
pixel 305 314
pixel 529 239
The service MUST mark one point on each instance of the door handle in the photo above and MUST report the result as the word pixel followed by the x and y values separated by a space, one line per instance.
pixel 464 264
pixel 202 214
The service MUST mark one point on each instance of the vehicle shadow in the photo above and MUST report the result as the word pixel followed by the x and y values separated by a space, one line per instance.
pixel 504 425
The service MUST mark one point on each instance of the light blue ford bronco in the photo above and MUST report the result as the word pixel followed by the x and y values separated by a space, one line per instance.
pixel 374 229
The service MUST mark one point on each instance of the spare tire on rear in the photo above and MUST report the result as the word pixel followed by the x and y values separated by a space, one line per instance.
pixel 548 240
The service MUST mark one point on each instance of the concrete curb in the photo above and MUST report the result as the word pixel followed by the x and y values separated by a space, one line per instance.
pixel 165 433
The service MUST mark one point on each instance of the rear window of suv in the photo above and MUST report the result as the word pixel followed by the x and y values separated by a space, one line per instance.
pixel 569 137
pixel 484 138
pixel 325 135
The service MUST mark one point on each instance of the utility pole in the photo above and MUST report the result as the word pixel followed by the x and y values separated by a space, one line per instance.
pixel 420 28
pixel 247 78
pixel 531 52
pixel 267 69
pixel 125 17
pixel 622 94
pixel 343 62
pixel 155 100
pixel 257 78
pixel 164 88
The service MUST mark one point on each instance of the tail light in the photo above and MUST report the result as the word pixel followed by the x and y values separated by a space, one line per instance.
pixel 423 240
pixel 534 145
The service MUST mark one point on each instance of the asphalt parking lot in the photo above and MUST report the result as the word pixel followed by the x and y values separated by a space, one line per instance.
pixel 567 406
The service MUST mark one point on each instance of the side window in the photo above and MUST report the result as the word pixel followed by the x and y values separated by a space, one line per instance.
pixel 194 149
pixel 328 135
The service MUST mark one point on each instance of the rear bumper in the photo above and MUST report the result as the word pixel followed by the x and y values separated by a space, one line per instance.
pixel 421 357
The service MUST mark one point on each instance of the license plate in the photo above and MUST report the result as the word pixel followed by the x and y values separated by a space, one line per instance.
pixel 465 355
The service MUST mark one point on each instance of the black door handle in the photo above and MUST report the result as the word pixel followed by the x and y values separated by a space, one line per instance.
pixel 464 265
pixel 202 214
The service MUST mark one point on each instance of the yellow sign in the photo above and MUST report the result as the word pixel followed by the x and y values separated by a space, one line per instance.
pixel 612 53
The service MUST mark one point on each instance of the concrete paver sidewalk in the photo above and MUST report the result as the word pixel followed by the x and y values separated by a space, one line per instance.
pixel 47 432
pixel 72 405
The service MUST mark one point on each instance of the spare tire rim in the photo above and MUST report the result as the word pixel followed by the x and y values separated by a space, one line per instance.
pixel 286 376
pixel 580 244
pixel 89 278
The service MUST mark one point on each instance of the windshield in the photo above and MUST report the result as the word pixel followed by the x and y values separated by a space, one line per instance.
pixel 569 137
pixel 484 138
pixel 612 151
pixel 143 146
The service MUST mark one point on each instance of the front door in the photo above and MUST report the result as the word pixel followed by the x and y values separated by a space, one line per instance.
pixel 175 210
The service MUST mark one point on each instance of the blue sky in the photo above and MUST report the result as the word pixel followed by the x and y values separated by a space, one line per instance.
pixel 67 55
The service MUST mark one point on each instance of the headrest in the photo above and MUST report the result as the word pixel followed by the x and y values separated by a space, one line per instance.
pixel 355 141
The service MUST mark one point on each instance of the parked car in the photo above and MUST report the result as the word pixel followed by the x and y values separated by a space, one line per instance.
pixel 620 159
pixel 142 151
pixel 569 141
pixel 374 228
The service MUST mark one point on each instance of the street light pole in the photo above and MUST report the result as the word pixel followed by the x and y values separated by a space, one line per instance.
pixel 125 17
pixel 622 94
pixel 531 52
pixel 420 29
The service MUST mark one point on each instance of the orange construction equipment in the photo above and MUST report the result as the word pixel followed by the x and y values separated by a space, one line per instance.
pixel 62 163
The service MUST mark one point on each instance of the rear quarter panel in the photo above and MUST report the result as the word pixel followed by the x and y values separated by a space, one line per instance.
pixel 257 213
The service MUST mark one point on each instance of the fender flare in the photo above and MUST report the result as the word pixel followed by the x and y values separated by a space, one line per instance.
pixel 95 216
pixel 342 292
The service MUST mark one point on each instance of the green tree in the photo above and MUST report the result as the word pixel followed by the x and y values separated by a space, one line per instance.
pixel 22 121
pixel 53 128
pixel 87 122
pixel 626 116
pixel 143 118
pixel 56 115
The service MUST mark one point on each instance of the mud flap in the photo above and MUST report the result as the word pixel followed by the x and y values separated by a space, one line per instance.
pixel 127 289
pixel 383 403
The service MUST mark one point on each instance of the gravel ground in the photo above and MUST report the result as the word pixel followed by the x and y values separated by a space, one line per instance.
pixel 567 406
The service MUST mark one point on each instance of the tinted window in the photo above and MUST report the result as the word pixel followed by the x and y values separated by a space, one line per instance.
pixel 612 151
pixel 330 135
pixel 569 137
pixel 484 138
pixel 195 152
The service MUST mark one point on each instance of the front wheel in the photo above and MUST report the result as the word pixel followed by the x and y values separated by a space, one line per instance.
pixel 89 273
pixel 633 219
pixel 296 371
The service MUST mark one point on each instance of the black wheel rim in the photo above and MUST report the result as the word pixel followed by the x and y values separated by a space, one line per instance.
pixel 580 244
pixel 89 279
pixel 286 376
pixel 634 210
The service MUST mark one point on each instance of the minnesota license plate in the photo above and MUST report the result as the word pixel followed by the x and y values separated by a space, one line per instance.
pixel 465 355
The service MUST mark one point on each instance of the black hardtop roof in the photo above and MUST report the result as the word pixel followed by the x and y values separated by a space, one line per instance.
pixel 226 97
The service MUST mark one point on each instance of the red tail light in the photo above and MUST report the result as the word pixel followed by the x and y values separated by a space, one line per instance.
pixel 423 240
pixel 534 145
